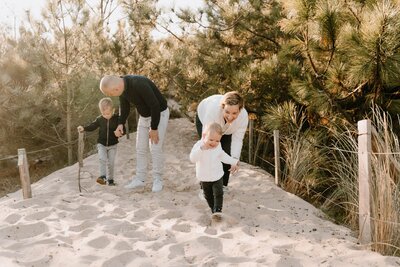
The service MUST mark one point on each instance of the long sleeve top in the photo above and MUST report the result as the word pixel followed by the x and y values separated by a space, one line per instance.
pixel 145 95
pixel 209 110
pixel 209 162
pixel 106 129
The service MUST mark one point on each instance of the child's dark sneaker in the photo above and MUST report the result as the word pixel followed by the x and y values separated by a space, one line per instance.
pixel 110 182
pixel 216 216
pixel 101 180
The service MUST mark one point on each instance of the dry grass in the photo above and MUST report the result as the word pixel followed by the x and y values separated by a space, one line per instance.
pixel 305 163
pixel 384 183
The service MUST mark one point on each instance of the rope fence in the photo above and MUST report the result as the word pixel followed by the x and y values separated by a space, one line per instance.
pixel 23 164
pixel 45 149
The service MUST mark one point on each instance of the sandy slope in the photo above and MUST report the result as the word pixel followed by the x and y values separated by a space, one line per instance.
pixel 113 226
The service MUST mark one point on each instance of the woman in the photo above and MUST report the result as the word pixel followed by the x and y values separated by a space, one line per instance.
pixel 228 111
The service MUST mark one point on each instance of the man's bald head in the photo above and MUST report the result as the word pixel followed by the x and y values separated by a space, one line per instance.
pixel 112 85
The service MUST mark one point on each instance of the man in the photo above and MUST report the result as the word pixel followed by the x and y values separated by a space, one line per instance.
pixel 152 125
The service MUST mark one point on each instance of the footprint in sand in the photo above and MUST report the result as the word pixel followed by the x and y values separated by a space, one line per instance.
pixel 83 226
pixel 124 228
pixel 86 212
pixel 167 238
pixel 173 214
pixel 211 243
pixel 17 232
pixel 12 218
pixel 122 245
pixel 176 251
pixel 284 250
pixel 141 215
pixel 37 216
pixel 185 228
pixel 126 259
pixel 100 242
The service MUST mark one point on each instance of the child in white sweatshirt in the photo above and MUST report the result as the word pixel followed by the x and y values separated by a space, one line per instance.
pixel 208 155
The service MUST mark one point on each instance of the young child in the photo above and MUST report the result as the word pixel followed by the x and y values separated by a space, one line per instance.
pixel 208 155
pixel 106 141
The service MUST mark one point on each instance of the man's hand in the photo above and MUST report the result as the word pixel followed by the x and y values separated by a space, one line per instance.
pixel 153 136
pixel 119 131
pixel 80 129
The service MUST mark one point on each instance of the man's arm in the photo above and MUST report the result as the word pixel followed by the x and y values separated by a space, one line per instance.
pixel 125 108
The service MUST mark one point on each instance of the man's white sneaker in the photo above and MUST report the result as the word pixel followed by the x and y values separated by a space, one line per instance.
pixel 157 185
pixel 135 183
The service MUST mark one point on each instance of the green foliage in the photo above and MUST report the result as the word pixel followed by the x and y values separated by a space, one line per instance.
pixel 236 50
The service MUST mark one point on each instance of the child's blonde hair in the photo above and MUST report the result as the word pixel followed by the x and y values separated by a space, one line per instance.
pixel 213 128
pixel 231 99
pixel 105 103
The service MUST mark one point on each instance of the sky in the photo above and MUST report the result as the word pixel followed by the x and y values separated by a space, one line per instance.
pixel 13 12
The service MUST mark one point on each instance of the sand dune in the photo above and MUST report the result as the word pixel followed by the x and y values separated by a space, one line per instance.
pixel 113 226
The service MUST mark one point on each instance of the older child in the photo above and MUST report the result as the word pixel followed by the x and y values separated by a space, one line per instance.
pixel 208 155
pixel 106 141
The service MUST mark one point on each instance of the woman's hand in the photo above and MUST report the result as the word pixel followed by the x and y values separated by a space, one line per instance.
pixel 234 168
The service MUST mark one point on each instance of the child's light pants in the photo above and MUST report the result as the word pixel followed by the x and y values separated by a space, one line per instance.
pixel 143 145
pixel 106 160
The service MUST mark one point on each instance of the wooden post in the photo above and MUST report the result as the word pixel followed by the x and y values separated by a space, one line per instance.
pixel 24 173
pixel 277 157
pixel 364 176
pixel 80 148
pixel 251 129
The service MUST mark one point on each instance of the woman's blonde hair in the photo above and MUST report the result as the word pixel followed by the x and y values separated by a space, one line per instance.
pixel 104 103
pixel 231 99
pixel 213 128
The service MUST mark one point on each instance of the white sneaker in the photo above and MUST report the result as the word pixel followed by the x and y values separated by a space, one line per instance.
pixel 135 183
pixel 201 195
pixel 157 185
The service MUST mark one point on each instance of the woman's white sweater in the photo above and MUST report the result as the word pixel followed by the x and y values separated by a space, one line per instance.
pixel 210 110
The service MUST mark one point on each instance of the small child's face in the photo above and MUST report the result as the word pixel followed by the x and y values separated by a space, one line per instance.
pixel 212 139
pixel 107 112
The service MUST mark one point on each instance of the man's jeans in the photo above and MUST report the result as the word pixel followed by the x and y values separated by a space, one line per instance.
pixel 106 160
pixel 143 145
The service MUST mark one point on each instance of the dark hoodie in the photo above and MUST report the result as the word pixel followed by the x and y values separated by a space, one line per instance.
pixel 106 129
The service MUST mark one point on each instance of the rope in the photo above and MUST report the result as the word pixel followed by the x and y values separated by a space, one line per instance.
pixel 45 149
pixel 327 199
